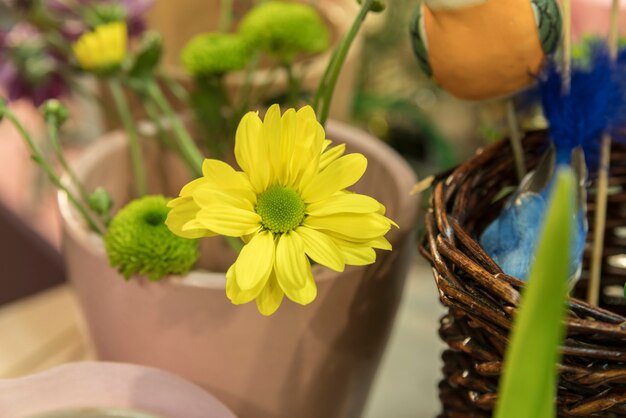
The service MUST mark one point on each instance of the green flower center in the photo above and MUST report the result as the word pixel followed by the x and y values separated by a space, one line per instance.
pixel 155 218
pixel 281 209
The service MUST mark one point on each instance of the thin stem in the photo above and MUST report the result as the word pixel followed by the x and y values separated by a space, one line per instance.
pixel 174 86
pixel 53 135
pixel 614 29
pixel 602 184
pixel 38 157
pixel 136 156
pixel 515 137
pixel 293 86
pixel 156 119
pixel 566 7
pixel 342 52
pixel 189 151
pixel 243 96
pixel 324 81
pixel 226 15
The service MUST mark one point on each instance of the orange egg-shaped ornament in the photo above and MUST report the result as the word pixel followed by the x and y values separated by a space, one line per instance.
pixel 484 49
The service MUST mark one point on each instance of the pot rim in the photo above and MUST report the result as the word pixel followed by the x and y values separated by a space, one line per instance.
pixel 107 386
pixel 399 171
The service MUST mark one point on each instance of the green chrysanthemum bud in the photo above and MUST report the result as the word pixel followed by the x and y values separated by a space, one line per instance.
pixel 139 242
pixel 215 53
pixel 377 5
pixel 55 111
pixel 148 56
pixel 100 201
pixel 285 29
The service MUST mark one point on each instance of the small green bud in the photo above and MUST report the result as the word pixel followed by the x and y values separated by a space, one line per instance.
pixel 377 5
pixel 285 29
pixel 138 241
pixel 55 111
pixel 149 55
pixel 100 201
pixel 215 53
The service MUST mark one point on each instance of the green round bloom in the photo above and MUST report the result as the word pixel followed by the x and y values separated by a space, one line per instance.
pixel 215 53
pixel 139 242
pixel 285 29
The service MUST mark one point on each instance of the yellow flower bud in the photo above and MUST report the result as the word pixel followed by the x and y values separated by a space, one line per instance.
pixel 103 49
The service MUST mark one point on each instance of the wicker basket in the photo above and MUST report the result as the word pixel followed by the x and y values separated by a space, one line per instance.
pixel 482 300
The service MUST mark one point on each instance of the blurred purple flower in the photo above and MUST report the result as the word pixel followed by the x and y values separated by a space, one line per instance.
pixel 19 5
pixel 75 24
pixel 27 70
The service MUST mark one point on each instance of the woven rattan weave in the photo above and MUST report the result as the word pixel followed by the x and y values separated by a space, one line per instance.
pixel 482 300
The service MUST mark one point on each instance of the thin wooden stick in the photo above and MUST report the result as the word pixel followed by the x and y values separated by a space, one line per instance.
pixel 602 185
pixel 515 136
pixel 566 64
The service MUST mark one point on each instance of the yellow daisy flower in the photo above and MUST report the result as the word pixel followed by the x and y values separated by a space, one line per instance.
pixel 289 205
pixel 102 49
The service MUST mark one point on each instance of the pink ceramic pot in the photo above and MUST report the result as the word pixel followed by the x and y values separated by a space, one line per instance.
pixel 89 389
pixel 312 361
pixel 591 17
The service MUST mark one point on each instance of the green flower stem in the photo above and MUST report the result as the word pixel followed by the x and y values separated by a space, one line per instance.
pixel 208 101
pixel 329 80
pixel 243 96
pixel 189 151
pixel 153 113
pixel 235 243
pixel 226 15
pixel 324 81
pixel 293 86
pixel 174 86
pixel 53 136
pixel 38 157
pixel 136 156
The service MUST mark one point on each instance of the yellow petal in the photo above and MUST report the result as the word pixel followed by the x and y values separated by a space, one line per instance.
pixel 307 293
pixel 229 220
pixel 292 266
pixel 331 155
pixel 251 151
pixel 344 203
pixel 288 137
pixel 321 248
pixel 183 211
pixel 271 133
pixel 308 146
pixel 270 297
pixel 357 226
pixel 207 195
pixel 355 254
pixel 380 243
pixel 255 261
pixel 223 175
pixel 339 174
pixel 249 127
pixel 234 292
pixel 188 188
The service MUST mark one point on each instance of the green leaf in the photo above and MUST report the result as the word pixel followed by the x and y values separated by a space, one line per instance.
pixel 529 380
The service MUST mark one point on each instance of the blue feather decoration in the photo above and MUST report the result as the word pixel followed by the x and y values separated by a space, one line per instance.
pixel 594 104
